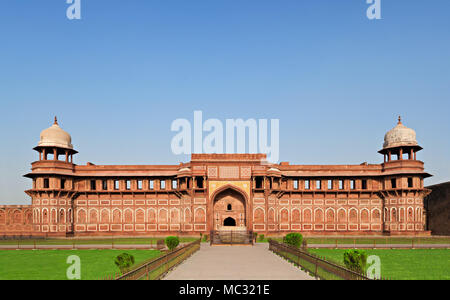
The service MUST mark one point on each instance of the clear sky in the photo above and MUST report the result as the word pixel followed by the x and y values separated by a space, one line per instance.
pixel 118 78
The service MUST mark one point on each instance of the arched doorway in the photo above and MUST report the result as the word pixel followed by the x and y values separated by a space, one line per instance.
pixel 229 222
pixel 229 209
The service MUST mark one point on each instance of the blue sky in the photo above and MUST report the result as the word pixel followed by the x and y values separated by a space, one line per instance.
pixel 117 78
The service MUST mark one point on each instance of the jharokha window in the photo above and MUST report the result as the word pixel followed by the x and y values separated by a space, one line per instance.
pixel 104 185
pixel 364 184
pixel 393 183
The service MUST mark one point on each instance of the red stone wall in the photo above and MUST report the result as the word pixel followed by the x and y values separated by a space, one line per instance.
pixel 16 220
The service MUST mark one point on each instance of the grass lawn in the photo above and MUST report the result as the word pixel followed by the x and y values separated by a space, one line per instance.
pixel 370 241
pixel 103 241
pixel 51 264
pixel 403 264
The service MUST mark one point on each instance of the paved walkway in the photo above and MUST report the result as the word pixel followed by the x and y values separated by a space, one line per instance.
pixel 236 263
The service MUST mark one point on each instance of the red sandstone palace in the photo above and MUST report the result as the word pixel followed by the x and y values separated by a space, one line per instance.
pixel 215 190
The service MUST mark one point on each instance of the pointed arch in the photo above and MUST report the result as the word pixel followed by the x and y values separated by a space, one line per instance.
pixel 342 216
pixel 259 216
pixel 330 216
pixel 187 215
pixel 151 216
pixel 307 215
pixel 296 215
pixel 105 216
pixel 318 215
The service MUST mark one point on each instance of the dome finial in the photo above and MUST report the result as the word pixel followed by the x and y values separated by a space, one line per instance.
pixel 56 121
pixel 399 119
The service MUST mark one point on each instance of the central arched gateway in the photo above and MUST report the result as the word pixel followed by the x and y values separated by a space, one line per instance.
pixel 229 209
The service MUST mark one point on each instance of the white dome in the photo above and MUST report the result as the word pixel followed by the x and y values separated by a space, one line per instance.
pixel 55 137
pixel 400 135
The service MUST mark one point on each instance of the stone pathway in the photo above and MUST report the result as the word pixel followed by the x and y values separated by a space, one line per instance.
pixel 236 263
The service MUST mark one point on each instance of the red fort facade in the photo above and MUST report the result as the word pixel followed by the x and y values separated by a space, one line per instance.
pixel 215 191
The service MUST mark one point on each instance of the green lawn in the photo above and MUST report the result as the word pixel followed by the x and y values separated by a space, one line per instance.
pixel 371 241
pixel 51 264
pixel 103 241
pixel 403 264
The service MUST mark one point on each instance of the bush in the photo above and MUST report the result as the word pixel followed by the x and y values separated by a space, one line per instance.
pixel 355 260
pixel 293 239
pixel 124 261
pixel 172 242
pixel 205 238
pixel 261 237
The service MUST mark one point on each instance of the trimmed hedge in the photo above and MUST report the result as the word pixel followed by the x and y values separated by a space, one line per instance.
pixel 172 242
pixel 294 239
pixel 356 260
pixel 124 261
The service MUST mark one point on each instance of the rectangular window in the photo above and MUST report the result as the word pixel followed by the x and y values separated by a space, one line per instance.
pixel 259 182
pixel 104 185
pixel 139 184
pixel 393 183
pixel 352 185
pixel 307 185
pixel 364 184
pixel 200 182
pixel 116 184
pixel 63 184
pixel 151 184
pixel 410 182
pixel 128 184
pixel 330 184
pixel 46 183
pixel 163 184
pixel 341 184
pixel 174 184
pixel 318 184
pixel 295 184
pixel 93 186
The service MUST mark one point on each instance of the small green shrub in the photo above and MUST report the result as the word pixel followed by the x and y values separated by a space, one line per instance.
pixel 294 239
pixel 205 238
pixel 172 242
pixel 355 260
pixel 124 261
pixel 261 237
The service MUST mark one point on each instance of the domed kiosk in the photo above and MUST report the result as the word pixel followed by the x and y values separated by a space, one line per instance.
pixel 55 141
pixel 400 141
